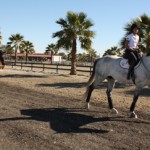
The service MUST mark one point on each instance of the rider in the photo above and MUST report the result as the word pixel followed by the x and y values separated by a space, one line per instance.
pixel 131 45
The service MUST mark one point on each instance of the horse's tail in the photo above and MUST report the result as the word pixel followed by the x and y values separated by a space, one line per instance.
pixel 91 79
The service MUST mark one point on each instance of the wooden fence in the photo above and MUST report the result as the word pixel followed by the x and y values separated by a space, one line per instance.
pixel 45 66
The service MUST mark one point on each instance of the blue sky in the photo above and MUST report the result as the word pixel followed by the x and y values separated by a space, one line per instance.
pixel 35 19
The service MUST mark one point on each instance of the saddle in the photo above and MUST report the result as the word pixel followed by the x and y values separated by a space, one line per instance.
pixel 124 63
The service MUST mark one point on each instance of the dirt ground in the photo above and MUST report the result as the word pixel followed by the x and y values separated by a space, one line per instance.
pixel 45 111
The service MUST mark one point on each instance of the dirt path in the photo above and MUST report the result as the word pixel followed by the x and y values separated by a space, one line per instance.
pixel 44 111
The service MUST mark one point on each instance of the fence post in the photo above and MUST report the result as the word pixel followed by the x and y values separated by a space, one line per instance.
pixel 43 67
pixel 57 68
pixel 21 65
pixel 90 70
pixel 31 66
pixel 12 64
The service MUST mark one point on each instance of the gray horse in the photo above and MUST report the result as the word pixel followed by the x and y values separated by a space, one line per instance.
pixel 109 68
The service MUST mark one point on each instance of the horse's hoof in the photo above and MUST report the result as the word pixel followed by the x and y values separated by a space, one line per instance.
pixel 133 115
pixel 87 106
pixel 114 110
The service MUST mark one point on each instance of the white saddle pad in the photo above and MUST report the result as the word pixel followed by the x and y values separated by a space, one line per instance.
pixel 124 63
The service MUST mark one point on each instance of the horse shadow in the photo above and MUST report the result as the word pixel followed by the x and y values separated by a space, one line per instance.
pixel 102 85
pixel 64 120
pixel 70 120
pixel 143 92
pixel 74 120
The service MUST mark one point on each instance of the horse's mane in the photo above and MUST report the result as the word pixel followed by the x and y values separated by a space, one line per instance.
pixel 112 56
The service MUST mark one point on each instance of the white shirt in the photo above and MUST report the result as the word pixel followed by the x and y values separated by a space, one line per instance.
pixel 133 40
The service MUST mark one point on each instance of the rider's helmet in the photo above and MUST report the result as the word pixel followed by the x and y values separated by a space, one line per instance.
pixel 134 26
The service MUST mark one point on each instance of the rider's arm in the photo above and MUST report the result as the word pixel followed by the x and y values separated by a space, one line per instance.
pixel 137 46
pixel 127 47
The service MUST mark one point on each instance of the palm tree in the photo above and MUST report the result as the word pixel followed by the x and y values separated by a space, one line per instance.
pixel 15 42
pixel 0 39
pixel 113 51
pixel 27 47
pixel 83 57
pixel 92 54
pixel 51 49
pixel 63 55
pixel 9 50
pixel 144 22
pixel 75 27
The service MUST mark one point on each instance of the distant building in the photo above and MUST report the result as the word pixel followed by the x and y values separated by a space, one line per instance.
pixel 34 57
pixel 56 59
pixel 31 57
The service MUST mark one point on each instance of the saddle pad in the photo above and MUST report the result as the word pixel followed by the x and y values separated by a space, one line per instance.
pixel 124 63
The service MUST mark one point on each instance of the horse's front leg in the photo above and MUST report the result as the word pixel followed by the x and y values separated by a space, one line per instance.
pixel 110 86
pixel 135 98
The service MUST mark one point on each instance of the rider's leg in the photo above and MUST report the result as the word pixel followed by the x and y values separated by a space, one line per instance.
pixel 131 70
pixel 133 63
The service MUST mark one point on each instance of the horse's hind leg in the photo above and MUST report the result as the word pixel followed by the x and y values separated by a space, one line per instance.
pixel 110 86
pixel 135 98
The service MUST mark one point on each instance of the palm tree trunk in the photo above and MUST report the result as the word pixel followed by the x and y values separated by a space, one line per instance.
pixel 73 59
pixel 26 57
pixel 16 49
pixel 51 58
pixel 15 57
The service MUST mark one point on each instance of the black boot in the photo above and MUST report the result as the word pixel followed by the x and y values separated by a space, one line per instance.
pixel 131 71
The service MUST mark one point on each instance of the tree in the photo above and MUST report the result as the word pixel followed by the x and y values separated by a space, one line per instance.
pixel 92 54
pixel 75 27
pixel 113 51
pixel 27 47
pixel 144 22
pixel 63 55
pixel 0 39
pixel 9 50
pixel 83 57
pixel 15 42
pixel 52 49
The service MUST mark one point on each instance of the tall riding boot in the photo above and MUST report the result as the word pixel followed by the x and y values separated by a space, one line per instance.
pixel 131 71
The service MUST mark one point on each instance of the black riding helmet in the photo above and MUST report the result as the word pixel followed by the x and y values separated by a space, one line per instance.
pixel 134 26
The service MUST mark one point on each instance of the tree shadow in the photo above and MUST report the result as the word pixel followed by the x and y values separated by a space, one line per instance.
pixel 64 85
pixel 21 76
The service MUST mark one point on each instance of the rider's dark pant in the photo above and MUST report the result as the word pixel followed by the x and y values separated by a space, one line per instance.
pixel 133 59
